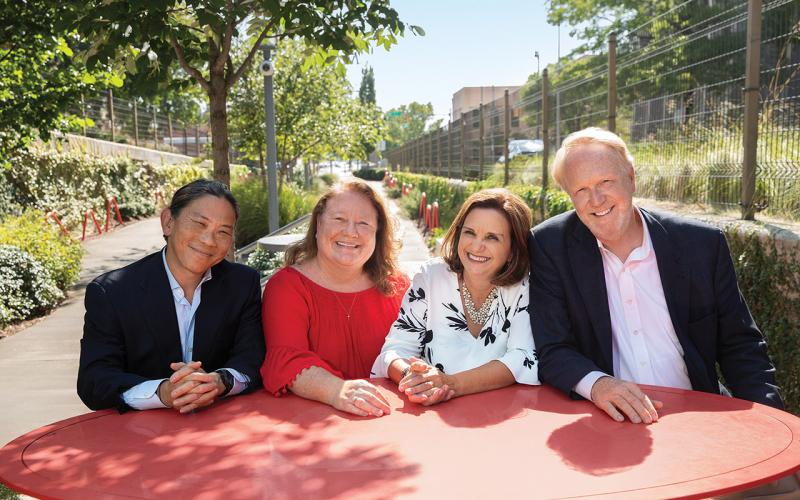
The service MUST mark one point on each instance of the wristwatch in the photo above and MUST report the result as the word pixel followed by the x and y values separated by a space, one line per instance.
pixel 227 380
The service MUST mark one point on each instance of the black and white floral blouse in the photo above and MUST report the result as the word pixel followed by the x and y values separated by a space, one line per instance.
pixel 432 326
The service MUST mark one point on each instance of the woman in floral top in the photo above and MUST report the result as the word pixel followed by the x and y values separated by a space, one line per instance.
pixel 464 326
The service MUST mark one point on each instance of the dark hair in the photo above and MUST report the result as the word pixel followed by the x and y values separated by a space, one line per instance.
pixel 197 189
pixel 519 220
pixel 382 264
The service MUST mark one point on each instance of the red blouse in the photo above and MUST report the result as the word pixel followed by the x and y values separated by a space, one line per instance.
pixel 306 324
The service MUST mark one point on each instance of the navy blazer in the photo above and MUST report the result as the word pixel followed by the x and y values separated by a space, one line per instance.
pixel 572 325
pixel 131 335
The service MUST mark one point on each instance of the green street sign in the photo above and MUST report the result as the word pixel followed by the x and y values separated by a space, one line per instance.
pixel 395 113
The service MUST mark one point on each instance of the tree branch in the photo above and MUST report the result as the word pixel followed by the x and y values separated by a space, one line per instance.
pixel 225 49
pixel 185 64
pixel 249 59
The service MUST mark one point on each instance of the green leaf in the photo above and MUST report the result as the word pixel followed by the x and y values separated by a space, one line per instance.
pixel 64 48
pixel 88 79
pixel 116 81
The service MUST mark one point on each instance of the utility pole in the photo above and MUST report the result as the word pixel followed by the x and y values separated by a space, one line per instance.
pixel 268 69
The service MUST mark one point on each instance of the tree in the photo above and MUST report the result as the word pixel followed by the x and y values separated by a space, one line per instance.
pixel 151 38
pixel 406 123
pixel 314 113
pixel 366 93
pixel 39 77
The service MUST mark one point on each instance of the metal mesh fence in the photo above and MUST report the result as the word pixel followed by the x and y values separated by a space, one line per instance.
pixel 131 122
pixel 677 88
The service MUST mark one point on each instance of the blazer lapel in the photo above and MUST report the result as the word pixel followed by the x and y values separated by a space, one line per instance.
pixel 676 283
pixel 587 268
pixel 209 317
pixel 158 307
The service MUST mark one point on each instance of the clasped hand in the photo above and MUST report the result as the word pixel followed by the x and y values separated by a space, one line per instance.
pixel 190 387
pixel 425 384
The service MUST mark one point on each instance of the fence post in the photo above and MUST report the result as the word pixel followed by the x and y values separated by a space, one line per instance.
pixel 197 139
pixel 463 145
pixel 83 113
pixel 430 152
pixel 558 119
pixel 612 82
pixel 449 149
pixel 506 126
pixel 751 103
pixel 169 129
pixel 545 141
pixel 135 123
pixel 185 141
pixel 111 114
pixel 480 151
pixel 155 126
pixel 439 151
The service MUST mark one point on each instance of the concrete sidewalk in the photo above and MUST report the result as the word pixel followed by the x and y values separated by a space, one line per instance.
pixel 39 365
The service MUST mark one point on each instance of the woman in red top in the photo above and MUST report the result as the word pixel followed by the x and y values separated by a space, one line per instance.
pixel 327 312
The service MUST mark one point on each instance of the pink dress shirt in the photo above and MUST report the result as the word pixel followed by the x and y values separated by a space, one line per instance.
pixel 644 345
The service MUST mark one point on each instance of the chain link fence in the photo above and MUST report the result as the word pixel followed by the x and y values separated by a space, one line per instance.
pixel 674 88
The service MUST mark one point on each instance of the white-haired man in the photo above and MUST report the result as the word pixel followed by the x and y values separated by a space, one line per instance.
pixel 622 296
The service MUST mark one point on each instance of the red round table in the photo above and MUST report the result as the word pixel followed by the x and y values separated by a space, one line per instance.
pixel 530 442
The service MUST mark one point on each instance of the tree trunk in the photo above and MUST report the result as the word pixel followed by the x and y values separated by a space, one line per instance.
pixel 218 102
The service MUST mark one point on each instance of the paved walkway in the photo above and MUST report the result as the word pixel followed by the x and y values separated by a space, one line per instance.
pixel 39 365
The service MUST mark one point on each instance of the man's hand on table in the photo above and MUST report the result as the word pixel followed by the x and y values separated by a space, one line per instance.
pixel 190 387
pixel 619 398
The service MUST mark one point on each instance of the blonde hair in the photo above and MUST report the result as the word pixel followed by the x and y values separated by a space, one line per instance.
pixel 588 136
pixel 382 264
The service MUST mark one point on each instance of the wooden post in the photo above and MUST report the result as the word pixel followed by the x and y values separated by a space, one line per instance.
pixel 449 149
pixel 83 113
pixel 439 151
pixel 545 141
pixel 612 82
pixel 480 151
pixel 155 128
pixel 135 123
pixel 111 115
pixel 463 145
pixel 169 128
pixel 185 141
pixel 751 104
pixel 506 126
pixel 197 140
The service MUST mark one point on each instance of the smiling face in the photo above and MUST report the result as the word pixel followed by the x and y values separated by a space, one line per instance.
pixel 346 230
pixel 199 236
pixel 484 244
pixel 601 186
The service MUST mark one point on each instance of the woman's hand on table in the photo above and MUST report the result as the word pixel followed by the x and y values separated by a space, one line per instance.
pixel 360 397
pixel 425 384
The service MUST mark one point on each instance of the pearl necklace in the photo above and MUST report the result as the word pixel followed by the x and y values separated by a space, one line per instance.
pixel 480 315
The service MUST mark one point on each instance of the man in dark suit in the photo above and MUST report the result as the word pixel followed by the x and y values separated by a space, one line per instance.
pixel 179 328
pixel 621 295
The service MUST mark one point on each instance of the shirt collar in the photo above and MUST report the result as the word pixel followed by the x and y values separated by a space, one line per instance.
pixel 173 283
pixel 642 251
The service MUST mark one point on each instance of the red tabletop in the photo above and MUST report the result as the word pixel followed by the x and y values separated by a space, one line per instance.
pixel 530 442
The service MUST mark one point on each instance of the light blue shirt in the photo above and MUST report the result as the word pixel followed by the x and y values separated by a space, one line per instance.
pixel 143 396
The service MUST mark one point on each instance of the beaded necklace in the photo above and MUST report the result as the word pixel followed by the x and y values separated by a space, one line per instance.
pixel 480 315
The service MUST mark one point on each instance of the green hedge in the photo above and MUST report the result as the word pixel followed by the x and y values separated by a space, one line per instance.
pixel 70 184
pixel 768 277
pixel 370 174
pixel 253 201
pixel 26 287
pixel 59 254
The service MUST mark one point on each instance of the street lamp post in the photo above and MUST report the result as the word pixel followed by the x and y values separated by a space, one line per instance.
pixel 268 69
pixel 536 55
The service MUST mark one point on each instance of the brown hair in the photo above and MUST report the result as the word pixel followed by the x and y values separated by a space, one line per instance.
pixel 519 220
pixel 382 265
pixel 588 136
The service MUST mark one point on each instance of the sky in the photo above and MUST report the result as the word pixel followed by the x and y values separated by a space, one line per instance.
pixel 467 43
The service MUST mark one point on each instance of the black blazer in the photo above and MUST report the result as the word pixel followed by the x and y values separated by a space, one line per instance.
pixel 572 325
pixel 130 332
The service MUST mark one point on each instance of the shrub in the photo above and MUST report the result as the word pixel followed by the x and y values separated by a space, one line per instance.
pixel 253 201
pixel 264 261
pixel 329 179
pixel 171 177
pixel 59 254
pixel 26 287
pixel 369 174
